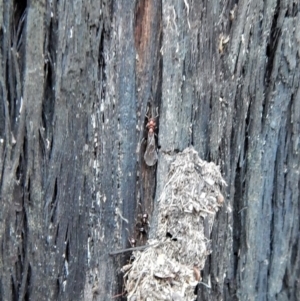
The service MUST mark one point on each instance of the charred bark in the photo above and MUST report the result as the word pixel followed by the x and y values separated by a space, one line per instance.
pixel 76 82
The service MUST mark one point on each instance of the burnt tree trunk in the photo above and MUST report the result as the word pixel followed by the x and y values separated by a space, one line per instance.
pixel 76 81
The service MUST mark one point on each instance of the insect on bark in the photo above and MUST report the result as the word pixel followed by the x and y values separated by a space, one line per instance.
pixel 150 155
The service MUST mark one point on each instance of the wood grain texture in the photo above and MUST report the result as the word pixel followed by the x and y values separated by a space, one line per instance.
pixel 237 100
pixel 76 80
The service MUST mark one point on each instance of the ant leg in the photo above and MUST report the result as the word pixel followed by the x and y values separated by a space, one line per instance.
pixel 147 113
pixel 153 113
pixel 143 140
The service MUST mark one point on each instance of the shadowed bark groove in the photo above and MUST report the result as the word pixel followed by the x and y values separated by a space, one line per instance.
pixel 76 80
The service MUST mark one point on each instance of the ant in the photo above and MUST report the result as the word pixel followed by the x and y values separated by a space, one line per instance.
pixel 143 224
pixel 141 230
pixel 150 155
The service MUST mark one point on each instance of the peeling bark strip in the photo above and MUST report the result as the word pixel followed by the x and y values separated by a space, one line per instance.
pixel 75 81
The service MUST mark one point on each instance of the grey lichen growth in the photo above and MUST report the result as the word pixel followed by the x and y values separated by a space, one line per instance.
pixel 170 269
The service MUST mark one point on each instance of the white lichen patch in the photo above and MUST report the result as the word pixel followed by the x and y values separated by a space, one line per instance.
pixel 169 269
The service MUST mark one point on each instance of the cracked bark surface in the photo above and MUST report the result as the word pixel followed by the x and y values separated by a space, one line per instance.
pixel 76 80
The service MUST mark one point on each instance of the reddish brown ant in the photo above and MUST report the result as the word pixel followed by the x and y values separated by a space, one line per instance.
pixel 150 155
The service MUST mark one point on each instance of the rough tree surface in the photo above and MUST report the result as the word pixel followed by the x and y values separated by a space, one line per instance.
pixel 169 269
pixel 76 79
